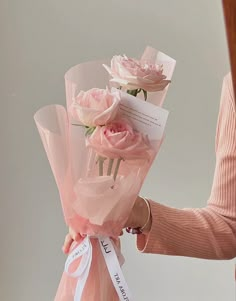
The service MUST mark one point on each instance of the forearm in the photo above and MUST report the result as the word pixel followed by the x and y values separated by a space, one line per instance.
pixel 200 233
pixel 208 232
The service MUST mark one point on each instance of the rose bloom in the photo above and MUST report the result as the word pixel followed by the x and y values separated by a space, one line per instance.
pixel 134 74
pixel 95 107
pixel 119 140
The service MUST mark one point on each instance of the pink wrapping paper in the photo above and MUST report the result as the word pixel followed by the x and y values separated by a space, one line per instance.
pixel 53 126
pixel 92 205
pixel 98 286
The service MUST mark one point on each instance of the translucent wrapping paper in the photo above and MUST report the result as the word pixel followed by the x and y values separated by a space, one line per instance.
pixel 96 196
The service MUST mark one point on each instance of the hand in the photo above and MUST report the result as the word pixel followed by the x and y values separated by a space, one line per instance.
pixel 138 217
pixel 69 239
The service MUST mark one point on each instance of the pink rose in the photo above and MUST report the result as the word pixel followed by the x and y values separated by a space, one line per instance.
pixel 95 107
pixel 134 74
pixel 119 140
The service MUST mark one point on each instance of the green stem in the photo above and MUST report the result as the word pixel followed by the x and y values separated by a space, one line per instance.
pixel 111 161
pixel 145 94
pixel 101 163
pixel 117 168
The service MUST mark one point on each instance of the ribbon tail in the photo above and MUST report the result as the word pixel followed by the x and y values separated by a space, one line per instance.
pixel 83 278
pixel 114 269
pixel 84 250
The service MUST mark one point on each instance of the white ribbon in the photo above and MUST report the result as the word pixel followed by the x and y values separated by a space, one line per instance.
pixel 84 250
pixel 114 269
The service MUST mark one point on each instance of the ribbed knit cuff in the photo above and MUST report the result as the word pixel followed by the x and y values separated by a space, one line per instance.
pixel 145 242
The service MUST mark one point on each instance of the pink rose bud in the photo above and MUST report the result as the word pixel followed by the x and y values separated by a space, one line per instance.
pixel 95 107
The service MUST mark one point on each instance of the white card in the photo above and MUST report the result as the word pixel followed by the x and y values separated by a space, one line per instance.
pixel 146 117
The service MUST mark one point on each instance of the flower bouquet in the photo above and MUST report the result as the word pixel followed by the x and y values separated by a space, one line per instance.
pixel 100 150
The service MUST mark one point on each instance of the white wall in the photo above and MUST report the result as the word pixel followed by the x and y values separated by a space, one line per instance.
pixel 40 40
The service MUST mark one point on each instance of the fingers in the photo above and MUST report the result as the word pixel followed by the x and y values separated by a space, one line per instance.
pixel 70 237
pixel 74 235
pixel 67 243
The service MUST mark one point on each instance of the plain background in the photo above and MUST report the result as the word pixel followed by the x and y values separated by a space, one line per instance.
pixel 40 40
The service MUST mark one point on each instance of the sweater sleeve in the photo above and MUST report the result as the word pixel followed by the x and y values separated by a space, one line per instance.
pixel 208 232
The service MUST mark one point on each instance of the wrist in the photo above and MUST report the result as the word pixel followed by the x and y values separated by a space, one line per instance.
pixel 142 214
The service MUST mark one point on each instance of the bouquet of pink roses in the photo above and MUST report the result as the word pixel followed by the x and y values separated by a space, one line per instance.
pixel 100 150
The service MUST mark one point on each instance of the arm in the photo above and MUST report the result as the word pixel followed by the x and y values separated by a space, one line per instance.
pixel 208 232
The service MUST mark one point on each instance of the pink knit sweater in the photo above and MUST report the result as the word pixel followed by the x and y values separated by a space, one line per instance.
pixel 208 232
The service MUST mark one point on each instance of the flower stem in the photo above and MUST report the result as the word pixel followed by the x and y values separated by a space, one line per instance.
pixel 117 168
pixel 111 161
pixel 145 94
pixel 101 162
